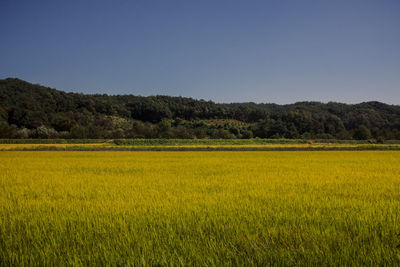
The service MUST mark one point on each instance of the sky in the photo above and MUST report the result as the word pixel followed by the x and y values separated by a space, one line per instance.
pixel 281 51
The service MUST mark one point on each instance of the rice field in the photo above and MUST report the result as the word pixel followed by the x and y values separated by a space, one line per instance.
pixel 200 208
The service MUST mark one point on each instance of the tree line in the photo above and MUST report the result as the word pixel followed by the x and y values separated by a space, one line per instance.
pixel 34 111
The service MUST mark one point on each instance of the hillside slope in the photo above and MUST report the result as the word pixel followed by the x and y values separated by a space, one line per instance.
pixel 34 111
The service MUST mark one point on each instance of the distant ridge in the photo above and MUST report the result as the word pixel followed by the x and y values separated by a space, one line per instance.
pixel 33 111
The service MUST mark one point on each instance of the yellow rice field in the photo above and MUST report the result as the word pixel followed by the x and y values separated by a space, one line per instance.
pixel 200 208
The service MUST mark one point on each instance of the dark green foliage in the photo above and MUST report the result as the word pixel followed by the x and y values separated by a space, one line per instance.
pixel 362 133
pixel 33 111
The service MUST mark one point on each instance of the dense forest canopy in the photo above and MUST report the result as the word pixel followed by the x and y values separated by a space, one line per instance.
pixel 34 111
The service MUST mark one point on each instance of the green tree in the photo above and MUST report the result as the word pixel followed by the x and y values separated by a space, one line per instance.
pixel 362 133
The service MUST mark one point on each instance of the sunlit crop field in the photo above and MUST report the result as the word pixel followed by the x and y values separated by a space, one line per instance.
pixel 200 208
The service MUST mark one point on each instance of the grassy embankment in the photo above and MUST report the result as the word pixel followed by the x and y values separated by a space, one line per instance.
pixel 191 145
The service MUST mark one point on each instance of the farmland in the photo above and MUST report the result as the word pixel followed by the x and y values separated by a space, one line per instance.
pixel 200 208
pixel 254 144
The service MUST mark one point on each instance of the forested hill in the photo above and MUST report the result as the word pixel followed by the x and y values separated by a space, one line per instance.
pixel 34 111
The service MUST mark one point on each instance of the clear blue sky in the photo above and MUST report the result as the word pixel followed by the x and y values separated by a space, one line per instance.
pixel 228 51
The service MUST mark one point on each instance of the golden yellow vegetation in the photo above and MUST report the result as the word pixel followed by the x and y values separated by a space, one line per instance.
pixel 200 208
